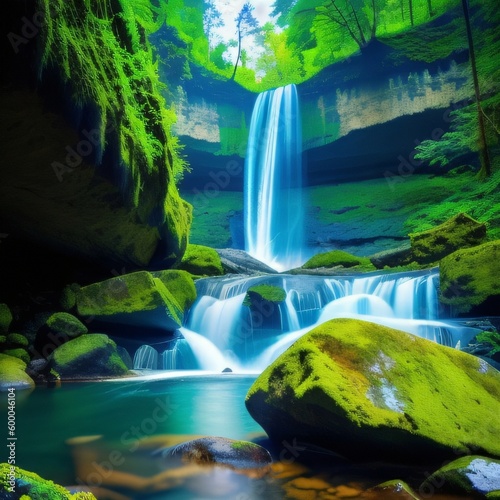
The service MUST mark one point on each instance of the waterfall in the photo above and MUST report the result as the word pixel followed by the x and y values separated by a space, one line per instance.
pixel 273 180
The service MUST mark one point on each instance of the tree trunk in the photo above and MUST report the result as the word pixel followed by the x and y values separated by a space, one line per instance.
pixel 429 6
pixel 410 4
pixel 239 53
pixel 483 145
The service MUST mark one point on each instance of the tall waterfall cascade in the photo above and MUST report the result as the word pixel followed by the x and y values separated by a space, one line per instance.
pixel 222 332
pixel 273 206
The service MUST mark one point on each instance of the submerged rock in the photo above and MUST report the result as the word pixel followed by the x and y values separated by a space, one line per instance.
pixel 469 279
pixel 461 231
pixel 367 391
pixel 395 489
pixel 138 298
pixel 472 475
pixel 220 451
pixel 87 357
pixel 13 374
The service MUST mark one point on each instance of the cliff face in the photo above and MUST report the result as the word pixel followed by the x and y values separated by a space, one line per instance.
pixel 364 101
pixel 90 161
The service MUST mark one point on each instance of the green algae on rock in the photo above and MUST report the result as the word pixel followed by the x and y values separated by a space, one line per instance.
pixel 461 231
pixel 391 490
pixel 338 258
pixel 469 278
pixel 16 483
pixel 267 293
pixel 471 475
pixel 134 299
pixel 13 373
pixel 367 391
pixel 201 261
pixel 89 356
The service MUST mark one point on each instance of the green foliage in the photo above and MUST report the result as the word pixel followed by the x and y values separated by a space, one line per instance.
pixel 337 258
pixel 269 293
pixel 491 338
pixel 463 136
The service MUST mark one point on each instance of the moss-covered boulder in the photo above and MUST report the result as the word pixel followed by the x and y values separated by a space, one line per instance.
pixel 19 353
pixel 13 374
pixel 469 279
pixel 89 356
pixel 367 391
pixel 201 261
pixel 138 299
pixel 338 258
pixel 180 284
pixel 16 483
pixel 16 340
pixel 5 318
pixel 473 476
pixel 461 231
pixel 264 293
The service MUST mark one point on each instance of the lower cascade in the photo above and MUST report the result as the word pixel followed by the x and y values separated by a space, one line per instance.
pixel 223 331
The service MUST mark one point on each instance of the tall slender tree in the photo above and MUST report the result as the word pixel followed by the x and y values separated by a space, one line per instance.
pixel 212 19
pixel 246 24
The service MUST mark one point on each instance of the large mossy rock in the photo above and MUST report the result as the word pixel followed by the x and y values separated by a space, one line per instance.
pixel 469 279
pixel 461 231
pixel 138 299
pixel 367 391
pixel 474 476
pixel 16 483
pixel 180 284
pixel 201 261
pixel 13 373
pixel 88 357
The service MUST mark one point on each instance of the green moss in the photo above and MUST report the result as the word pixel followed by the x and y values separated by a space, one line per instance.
pixel 461 231
pixel 68 297
pixel 5 318
pixel 180 284
pixel 101 52
pixel 31 486
pixel 19 353
pixel 66 324
pixel 13 374
pixel 468 277
pixel 17 340
pixel 269 293
pixel 201 261
pixel 88 356
pixel 337 258
pixel 347 383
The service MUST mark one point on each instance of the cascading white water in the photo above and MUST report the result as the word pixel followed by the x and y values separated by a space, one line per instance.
pixel 273 180
pixel 251 339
